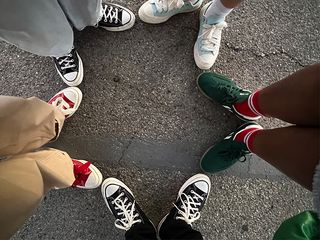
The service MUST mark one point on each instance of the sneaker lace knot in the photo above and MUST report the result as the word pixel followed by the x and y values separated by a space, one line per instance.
pixel 63 104
pixel 81 172
pixel 230 93
pixel 189 210
pixel 211 35
pixel 167 5
pixel 110 14
pixel 126 211
pixel 235 152
pixel 66 62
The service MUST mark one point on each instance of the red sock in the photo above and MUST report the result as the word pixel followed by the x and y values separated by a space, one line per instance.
pixel 250 107
pixel 247 136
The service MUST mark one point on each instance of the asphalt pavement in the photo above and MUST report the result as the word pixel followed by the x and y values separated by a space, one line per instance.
pixel 144 120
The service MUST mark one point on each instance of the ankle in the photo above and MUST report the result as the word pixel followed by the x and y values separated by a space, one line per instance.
pixel 248 135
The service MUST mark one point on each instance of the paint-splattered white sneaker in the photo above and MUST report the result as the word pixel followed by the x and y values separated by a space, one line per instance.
pixel 67 100
pixel 206 48
pixel 159 11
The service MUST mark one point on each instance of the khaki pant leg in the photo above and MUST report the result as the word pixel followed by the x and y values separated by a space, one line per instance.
pixel 27 124
pixel 24 180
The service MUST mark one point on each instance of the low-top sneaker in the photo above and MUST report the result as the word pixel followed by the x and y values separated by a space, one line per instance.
pixel 70 68
pixel 116 18
pixel 67 100
pixel 190 201
pixel 86 174
pixel 224 91
pixel 206 48
pixel 121 203
pixel 159 11
pixel 228 151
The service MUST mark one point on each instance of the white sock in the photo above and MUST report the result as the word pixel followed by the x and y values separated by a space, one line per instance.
pixel 216 12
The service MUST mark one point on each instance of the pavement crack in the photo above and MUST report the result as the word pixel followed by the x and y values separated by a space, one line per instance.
pixel 261 55
pixel 125 149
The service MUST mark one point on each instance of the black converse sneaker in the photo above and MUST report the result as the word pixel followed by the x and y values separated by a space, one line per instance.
pixel 70 68
pixel 191 198
pixel 116 18
pixel 122 204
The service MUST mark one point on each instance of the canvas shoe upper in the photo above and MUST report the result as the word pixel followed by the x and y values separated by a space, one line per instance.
pixel 121 203
pixel 221 89
pixel 116 18
pixel 190 201
pixel 67 100
pixel 70 68
pixel 226 152
pixel 206 48
pixel 159 11
pixel 86 175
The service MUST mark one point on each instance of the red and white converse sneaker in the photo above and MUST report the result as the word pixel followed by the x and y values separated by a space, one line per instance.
pixel 67 100
pixel 86 174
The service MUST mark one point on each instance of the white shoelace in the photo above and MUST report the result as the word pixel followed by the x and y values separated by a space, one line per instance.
pixel 66 62
pixel 110 14
pixel 167 5
pixel 63 106
pixel 211 35
pixel 127 211
pixel 189 211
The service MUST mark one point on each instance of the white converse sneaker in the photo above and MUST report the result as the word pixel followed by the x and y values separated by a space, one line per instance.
pixel 159 11
pixel 67 100
pixel 206 48
pixel 86 174
pixel 70 68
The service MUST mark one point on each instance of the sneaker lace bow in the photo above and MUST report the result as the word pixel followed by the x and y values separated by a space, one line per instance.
pixel 189 211
pixel 63 105
pixel 211 35
pixel 230 93
pixel 167 5
pixel 234 152
pixel 81 172
pixel 127 211
pixel 110 14
pixel 66 62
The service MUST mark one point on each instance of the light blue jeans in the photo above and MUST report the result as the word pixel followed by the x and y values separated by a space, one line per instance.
pixel 44 27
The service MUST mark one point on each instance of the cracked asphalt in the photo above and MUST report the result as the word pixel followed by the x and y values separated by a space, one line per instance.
pixel 143 119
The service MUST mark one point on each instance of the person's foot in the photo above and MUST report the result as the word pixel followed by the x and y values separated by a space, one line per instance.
pixel 223 90
pixel 121 203
pixel 67 100
pixel 70 68
pixel 159 11
pixel 86 174
pixel 116 18
pixel 191 199
pixel 206 48
pixel 228 151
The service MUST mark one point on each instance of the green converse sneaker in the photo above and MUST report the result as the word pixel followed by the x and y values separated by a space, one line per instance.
pixel 223 90
pixel 227 152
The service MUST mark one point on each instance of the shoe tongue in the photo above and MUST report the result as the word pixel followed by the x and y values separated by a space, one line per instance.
pixel 112 189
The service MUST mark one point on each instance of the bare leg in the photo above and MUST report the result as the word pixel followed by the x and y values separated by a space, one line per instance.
pixel 293 150
pixel 294 99
pixel 231 3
